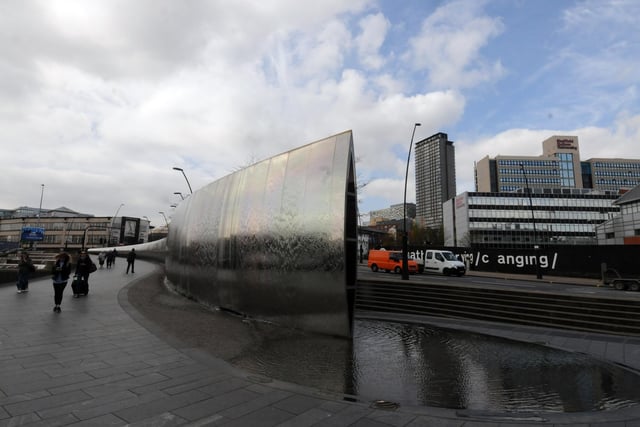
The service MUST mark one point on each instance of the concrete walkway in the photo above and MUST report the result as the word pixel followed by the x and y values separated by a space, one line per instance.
pixel 100 363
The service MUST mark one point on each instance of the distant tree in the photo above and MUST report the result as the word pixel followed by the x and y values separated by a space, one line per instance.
pixel 418 235
pixel 465 240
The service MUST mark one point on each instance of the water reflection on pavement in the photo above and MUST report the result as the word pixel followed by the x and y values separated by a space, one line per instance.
pixel 421 365
pixel 410 364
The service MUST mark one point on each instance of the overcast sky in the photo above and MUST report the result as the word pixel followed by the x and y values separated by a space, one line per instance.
pixel 99 100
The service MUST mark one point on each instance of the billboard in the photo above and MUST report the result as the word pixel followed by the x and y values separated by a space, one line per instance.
pixel 32 234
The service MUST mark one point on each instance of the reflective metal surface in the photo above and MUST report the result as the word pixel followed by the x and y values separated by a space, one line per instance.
pixel 420 365
pixel 275 241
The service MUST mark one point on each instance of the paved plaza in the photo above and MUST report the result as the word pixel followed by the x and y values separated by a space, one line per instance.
pixel 104 362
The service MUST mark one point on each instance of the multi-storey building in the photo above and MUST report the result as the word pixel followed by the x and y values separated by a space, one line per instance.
pixel 558 167
pixel 611 174
pixel 523 219
pixel 435 178
pixel 65 229
pixel 623 229
pixel 392 212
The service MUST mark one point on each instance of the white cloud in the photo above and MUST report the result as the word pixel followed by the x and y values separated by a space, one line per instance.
pixel 374 30
pixel 449 45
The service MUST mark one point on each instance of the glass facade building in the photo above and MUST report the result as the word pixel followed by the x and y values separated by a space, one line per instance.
pixel 559 167
pixel 543 217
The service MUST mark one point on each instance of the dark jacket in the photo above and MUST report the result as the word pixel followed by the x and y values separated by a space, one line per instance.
pixel 131 256
pixel 25 266
pixel 84 266
pixel 61 269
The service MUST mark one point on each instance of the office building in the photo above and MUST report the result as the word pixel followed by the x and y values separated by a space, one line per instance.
pixel 63 228
pixel 435 178
pixel 558 167
pixel 393 212
pixel 523 219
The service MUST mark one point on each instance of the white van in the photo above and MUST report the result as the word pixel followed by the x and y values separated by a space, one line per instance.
pixel 445 262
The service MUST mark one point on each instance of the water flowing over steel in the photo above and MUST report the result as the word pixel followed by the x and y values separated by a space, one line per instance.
pixel 275 241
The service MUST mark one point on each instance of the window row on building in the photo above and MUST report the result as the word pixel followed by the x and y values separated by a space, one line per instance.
pixel 531 180
pixel 617 182
pixel 617 165
pixel 554 172
pixel 541 215
pixel 543 229
pixel 616 173
pixel 527 163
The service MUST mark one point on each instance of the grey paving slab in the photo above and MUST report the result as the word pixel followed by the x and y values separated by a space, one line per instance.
pixel 255 404
pixel 35 405
pixel 267 416
pixel 30 418
pixel 297 404
pixel 213 405
pixel 101 363
pixel 307 419
pixel 171 403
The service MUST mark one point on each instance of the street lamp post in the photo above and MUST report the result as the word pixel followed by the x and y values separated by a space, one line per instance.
pixel 165 218
pixel 112 221
pixel 35 244
pixel 185 177
pixel 40 208
pixel 405 257
pixel 536 247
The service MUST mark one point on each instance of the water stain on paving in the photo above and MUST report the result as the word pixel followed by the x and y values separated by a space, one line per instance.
pixel 407 364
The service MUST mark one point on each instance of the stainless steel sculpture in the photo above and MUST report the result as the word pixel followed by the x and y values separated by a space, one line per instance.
pixel 276 240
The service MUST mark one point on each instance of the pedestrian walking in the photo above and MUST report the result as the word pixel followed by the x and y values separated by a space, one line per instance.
pixel 61 271
pixel 84 268
pixel 114 255
pixel 131 260
pixel 25 268
pixel 110 258
pixel 102 256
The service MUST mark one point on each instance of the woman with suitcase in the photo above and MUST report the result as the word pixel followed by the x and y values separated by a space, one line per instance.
pixel 84 268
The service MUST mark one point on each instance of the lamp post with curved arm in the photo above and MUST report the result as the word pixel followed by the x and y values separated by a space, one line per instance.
pixel 185 177
pixel 165 218
pixel 112 221
pixel 405 257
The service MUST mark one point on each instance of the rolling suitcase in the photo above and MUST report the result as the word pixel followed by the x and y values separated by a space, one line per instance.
pixel 79 286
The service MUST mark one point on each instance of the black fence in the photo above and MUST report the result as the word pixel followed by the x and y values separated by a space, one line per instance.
pixel 557 260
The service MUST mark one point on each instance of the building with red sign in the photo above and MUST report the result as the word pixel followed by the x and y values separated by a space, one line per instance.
pixel 559 166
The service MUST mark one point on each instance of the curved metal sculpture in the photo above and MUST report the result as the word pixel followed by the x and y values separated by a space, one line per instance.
pixel 276 240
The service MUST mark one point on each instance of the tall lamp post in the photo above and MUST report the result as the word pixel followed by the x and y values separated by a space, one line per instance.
pixel 165 218
pixel 185 177
pixel 35 244
pixel 405 256
pixel 40 208
pixel 536 247
pixel 112 221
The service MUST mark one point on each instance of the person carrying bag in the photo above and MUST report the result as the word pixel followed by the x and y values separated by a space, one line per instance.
pixel 84 267
pixel 25 268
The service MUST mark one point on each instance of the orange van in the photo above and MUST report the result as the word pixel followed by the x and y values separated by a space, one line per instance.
pixel 379 259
